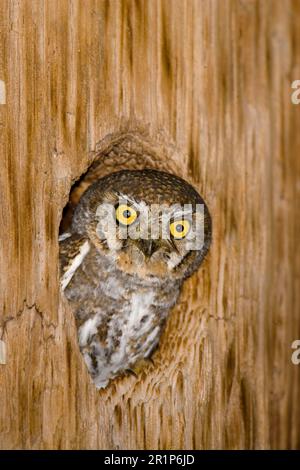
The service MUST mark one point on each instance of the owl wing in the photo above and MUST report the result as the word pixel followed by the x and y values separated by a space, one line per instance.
pixel 73 248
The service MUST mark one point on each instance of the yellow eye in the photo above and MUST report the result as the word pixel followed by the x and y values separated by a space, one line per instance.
pixel 125 214
pixel 179 228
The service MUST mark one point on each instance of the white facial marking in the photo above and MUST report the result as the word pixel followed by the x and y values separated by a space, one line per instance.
pixel 173 261
pixel 114 244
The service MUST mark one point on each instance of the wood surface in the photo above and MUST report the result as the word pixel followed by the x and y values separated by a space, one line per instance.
pixel 199 87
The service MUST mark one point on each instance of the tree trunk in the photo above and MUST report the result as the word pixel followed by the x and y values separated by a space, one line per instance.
pixel 203 88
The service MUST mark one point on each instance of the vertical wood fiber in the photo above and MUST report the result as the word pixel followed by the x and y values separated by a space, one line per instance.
pixel 209 81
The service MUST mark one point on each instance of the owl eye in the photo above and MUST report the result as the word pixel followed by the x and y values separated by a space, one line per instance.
pixel 125 214
pixel 180 228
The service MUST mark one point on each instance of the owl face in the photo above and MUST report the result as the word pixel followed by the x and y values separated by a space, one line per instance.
pixel 149 223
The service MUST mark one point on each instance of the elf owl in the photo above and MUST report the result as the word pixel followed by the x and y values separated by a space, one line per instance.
pixel 135 236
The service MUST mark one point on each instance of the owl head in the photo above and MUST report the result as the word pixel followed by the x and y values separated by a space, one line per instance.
pixel 149 223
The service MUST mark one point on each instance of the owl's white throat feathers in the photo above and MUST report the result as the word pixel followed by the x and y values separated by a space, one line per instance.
pixel 135 322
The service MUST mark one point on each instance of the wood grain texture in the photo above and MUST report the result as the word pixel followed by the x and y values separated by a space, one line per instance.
pixel 207 84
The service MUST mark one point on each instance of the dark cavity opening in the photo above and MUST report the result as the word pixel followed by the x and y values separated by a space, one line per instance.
pixel 132 151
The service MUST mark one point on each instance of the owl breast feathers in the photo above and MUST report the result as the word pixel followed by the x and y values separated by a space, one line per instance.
pixel 135 236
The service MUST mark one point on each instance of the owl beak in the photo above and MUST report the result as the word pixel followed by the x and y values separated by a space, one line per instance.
pixel 147 247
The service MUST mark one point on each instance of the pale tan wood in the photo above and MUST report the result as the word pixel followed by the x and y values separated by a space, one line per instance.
pixel 206 84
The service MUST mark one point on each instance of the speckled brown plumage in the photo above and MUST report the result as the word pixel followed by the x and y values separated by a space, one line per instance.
pixel 120 292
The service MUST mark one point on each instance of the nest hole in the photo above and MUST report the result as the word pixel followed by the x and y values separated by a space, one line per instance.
pixel 115 153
